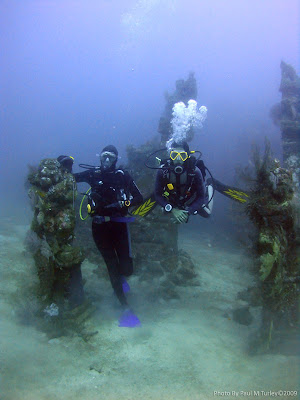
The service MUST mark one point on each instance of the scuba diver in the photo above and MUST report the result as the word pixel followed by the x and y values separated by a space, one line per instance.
pixel 179 186
pixel 112 192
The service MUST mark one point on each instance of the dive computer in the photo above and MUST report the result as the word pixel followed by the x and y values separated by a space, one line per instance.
pixel 168 207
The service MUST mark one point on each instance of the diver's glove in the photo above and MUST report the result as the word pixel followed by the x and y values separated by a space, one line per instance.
pixel 181 216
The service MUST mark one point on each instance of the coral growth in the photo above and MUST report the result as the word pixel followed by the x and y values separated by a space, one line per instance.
pixel 271 208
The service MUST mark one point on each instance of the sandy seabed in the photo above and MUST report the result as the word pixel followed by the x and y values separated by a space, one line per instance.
pixel 185 349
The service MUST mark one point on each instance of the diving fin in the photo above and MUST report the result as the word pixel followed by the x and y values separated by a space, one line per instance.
pixel 128 319
pixel 145 208
pixel 229 191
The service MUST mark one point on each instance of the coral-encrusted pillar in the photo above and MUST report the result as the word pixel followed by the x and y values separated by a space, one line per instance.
pixel 52 193
pixel 290 119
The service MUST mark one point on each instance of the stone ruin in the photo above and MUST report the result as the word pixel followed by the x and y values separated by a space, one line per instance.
pixel 274 209
pixel 286 115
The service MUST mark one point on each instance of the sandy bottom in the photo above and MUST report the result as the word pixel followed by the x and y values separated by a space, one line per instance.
pixel 185 349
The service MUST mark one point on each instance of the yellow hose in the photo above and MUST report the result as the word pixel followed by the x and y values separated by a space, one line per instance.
pixel 80 208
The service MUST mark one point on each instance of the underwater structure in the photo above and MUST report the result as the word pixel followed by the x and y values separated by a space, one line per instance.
pixel 286 115
pixel 274 207
pixel 271 208
pixel 184 91
pixel 50 239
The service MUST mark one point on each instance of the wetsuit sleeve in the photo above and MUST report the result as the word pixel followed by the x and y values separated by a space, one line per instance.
pixel 84 176
pixel 137 197
pixel 200 193
pixel 159 189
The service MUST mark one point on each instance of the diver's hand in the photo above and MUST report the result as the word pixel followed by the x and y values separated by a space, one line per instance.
pixel 181 216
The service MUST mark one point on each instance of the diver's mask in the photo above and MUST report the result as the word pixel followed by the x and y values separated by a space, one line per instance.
pixel 178 156
pixel 107 160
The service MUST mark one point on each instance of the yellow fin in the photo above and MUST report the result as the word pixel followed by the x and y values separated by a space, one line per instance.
pixel 144 208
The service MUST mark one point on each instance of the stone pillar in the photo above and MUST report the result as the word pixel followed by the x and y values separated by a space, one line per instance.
pixel 185 90
pixel 287 115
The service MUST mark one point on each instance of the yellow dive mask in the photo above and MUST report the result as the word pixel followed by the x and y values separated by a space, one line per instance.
pixel 182 154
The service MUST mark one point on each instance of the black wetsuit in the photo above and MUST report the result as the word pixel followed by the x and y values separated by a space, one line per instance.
pixel 110 225
pixel 186 192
